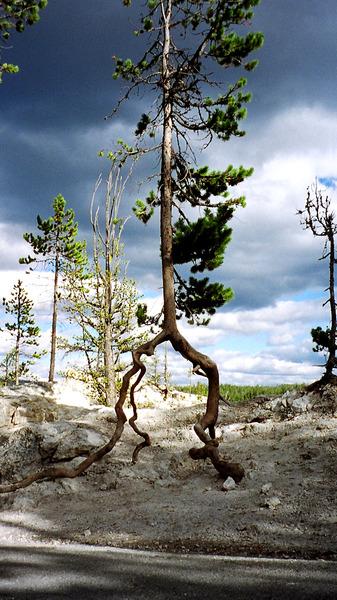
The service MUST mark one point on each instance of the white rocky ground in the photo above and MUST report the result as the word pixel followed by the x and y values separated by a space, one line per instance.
pixel 285 506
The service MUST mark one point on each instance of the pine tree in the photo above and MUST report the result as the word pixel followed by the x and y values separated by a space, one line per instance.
pixel 14 16
pixel 23 329
pixel 188 47
pixel 55 247
pixel 7 367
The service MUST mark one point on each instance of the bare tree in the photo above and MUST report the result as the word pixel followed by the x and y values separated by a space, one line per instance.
pixel 100 299
pixel 319 217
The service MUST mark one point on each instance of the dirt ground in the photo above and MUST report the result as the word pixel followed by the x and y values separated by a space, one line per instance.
pixel 285 506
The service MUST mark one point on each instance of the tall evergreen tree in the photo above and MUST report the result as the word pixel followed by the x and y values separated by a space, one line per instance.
pixel 55 247
pixel 14 16
pixel 188 46
pixel 22 328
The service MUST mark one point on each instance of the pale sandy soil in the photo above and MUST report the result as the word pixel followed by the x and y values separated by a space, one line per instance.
pixel 285 506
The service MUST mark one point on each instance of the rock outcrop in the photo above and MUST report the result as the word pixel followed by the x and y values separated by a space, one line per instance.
pixel 41 425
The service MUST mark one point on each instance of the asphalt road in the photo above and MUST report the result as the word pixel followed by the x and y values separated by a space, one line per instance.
pixel 89 572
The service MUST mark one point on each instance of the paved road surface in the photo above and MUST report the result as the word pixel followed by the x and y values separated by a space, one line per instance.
pixel 94 573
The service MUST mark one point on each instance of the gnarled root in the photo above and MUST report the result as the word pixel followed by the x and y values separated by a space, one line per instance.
pixel 203 365
pixel 67 472
pixel 148 349
pixel 224 468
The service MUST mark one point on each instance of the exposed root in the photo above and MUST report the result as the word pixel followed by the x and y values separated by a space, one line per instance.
pixel 224 468
pixel 66 472
pixel 147 349
pixel 202 364
pixel 132 420
pixel 326 379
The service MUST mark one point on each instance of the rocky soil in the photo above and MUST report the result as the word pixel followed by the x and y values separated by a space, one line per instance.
pixel 285 505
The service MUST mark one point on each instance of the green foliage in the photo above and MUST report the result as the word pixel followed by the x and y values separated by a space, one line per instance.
pixel 142 125
pixel 218 40
pixel 142 212
pixel 23 329
pixel 199 186
pixel 230 48
pixel 8 68
pixel 203 242
pixel 198 298
pixel 321 339
pixel 14 16
pixel 243 393
pixel 141 314
pixel 120 156
pixel 57 243
pixel 7 368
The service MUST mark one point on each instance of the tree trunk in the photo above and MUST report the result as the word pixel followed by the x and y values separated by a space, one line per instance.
pixel 17 359
pixel 54 323
pixel 109 368
pixel 202 364
pixel 18 337
pixel 331 362
pixel 166 234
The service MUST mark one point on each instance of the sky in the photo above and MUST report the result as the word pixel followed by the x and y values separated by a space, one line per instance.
pixel 52 127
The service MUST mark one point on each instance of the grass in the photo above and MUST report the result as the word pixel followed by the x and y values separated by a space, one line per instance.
pixel 242 393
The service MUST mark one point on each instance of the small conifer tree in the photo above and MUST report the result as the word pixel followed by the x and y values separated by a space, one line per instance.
pixel 55 247
pixel 24 331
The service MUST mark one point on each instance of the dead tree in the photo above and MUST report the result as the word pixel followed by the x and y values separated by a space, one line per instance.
pixel 100 299
pixel 319 217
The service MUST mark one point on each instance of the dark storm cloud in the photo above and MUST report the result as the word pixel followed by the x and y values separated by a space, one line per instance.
pixel 298 61
pixel 52 112
pixel 66 65
pixel 66 60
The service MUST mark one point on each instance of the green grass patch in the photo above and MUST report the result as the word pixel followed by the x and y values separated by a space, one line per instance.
pixel 242 393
